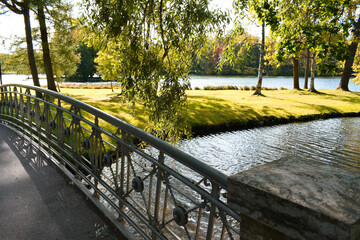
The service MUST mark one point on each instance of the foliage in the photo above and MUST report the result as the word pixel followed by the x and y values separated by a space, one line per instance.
pixel 87 66
pixel 64 42
pixel 17 60
pixel 228 87
pixel 322 26
pixel 356 68
pixel 148 47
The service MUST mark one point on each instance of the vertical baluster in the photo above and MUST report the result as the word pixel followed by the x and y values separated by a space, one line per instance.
pixel 165 204
pixel 16 101
pixel 215 193
pixel 29 112
pixel 122 170
pixel 22 110
pixel 197 232
pixel 128 170
pixel 47 115
pixel 37 121
pixel 222 232
pixel 60 129
pixel 158 192
pixel 150 193
pixel 96 155
pixel 11 101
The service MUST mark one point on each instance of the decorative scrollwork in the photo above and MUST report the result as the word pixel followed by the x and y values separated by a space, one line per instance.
pixel 180 216
pixel 52 124
pixel 86 144
pixel 67 132
pixel 42 117
pixel 137 184
pixel 107 160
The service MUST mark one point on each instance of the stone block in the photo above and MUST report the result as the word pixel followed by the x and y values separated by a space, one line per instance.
pixel 296 198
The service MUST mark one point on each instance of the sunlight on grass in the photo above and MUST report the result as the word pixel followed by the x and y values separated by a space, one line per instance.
pixel 212 108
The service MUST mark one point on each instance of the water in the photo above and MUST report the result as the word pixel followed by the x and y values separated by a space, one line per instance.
pixel 22 79
pixel 202 81
pixel 273 82
pixel 333 141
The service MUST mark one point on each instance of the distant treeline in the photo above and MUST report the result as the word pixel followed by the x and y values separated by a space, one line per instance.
pixel 245 61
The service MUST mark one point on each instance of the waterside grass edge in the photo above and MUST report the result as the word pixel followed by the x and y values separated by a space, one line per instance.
pixel 218 111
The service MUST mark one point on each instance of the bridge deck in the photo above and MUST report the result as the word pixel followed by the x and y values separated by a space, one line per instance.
pixel 37 201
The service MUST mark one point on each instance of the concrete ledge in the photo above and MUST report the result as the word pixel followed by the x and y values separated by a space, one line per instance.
pixel 296 198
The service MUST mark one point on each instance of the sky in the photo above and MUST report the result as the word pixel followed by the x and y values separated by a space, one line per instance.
pixel 13 24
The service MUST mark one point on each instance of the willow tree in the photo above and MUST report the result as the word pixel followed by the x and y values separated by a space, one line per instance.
pixel 148 46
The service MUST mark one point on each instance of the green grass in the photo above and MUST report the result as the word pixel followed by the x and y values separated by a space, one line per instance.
pixel 233 108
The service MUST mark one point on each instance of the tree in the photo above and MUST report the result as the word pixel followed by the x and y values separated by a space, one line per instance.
pixel 261 61
pixel 307 67
pixel 148 47
pixel 314 25
pixel 64 41
pixel 344 82
pixel 265 14
pixel 45 46
pixel 23 7
pixel 86 68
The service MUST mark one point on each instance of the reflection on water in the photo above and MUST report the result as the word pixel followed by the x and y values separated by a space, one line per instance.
pixel 334 141
pixel 202 81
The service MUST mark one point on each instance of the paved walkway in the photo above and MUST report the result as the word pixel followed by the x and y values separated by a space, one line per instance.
pixel 36 199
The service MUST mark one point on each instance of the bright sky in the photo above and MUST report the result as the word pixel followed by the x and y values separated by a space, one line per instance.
pixel 13 25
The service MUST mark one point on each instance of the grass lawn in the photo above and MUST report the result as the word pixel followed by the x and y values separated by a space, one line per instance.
pixel 228 109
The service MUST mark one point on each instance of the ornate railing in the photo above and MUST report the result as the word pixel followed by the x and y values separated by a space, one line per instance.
pixel 155 190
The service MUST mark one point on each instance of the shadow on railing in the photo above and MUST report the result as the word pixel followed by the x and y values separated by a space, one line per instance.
pixel 155 191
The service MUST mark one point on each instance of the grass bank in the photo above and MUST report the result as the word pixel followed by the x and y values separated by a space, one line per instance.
pixel 216 111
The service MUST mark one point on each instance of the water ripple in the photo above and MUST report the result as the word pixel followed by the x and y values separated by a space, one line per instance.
pixel 333 141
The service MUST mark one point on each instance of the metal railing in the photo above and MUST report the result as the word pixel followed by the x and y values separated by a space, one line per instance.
pixel 156 191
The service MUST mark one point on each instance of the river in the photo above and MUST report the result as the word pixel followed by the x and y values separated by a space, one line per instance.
pixel 333 141
pixel 202 81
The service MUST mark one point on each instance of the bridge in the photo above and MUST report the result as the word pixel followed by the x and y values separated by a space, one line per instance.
pixel 147 188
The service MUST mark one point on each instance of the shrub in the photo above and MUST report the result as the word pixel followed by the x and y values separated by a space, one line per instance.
pixel 228 87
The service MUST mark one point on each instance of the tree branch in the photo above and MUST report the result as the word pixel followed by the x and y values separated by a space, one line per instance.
pixel 13 7
pixel 166 48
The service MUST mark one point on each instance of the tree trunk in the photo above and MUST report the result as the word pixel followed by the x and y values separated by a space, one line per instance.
pixel 46 50
pixel 307 67
pixel 295 62
pixel 261 62
pixel 30 48
pixel 344 82
pixel 312 79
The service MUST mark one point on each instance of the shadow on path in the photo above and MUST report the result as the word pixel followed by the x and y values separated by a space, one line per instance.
pixel 37 201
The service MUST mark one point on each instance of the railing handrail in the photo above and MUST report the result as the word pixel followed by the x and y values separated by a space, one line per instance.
pixel 184 158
